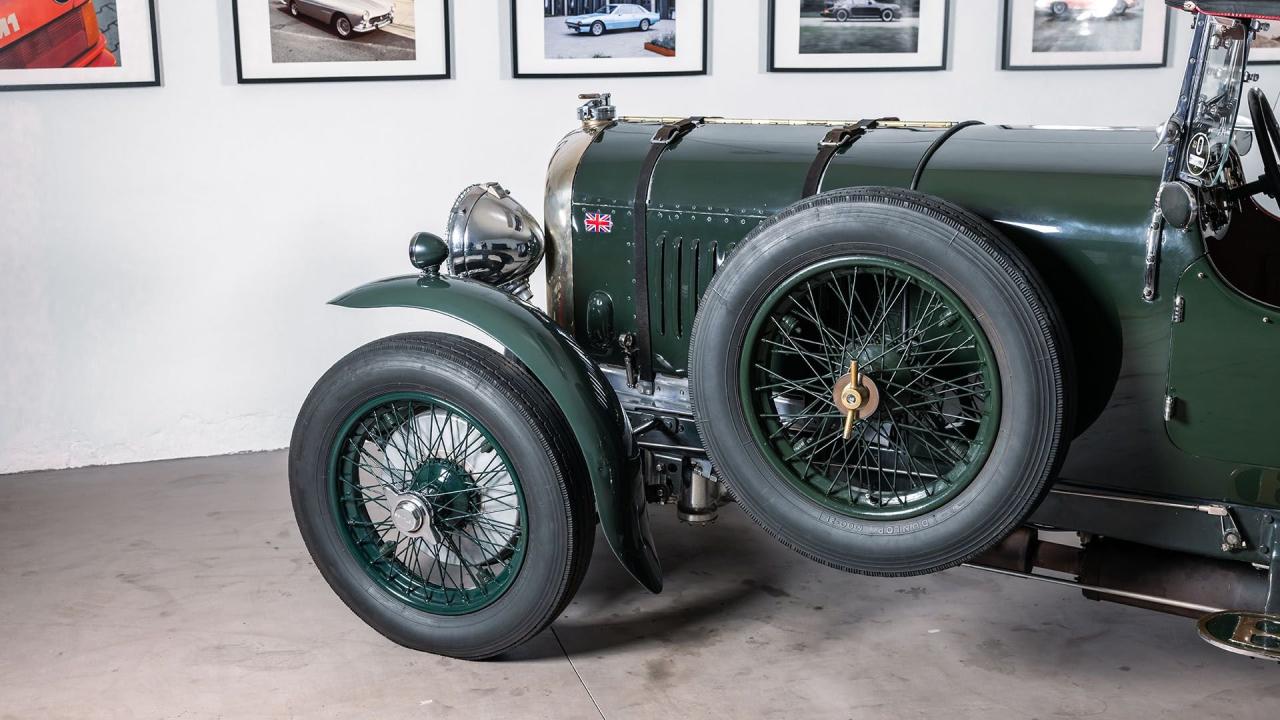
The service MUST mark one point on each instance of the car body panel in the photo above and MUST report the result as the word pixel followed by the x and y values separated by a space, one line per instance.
pixel 381 12
pixel 1099 8
pixel 1223 372
pixel 628 17
pixel 1077 201
pixel 31 20
pixel 708 192
pixel 579 389
pixel 862 8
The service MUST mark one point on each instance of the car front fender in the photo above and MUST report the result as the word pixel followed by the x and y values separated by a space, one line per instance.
pixel 581 391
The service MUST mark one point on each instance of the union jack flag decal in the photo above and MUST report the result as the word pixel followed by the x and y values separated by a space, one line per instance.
pixel 599 223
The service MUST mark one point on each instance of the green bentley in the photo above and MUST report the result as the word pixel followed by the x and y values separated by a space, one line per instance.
pixel 1051 353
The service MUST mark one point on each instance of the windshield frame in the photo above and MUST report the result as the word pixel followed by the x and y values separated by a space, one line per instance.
pixel 1220 55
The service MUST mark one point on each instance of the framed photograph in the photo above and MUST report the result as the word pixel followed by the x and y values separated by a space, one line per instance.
pixel 855 35
pixel 47 45
pixel 597 38
pixel 1085 34
pixel 1266 47
pixel 325 40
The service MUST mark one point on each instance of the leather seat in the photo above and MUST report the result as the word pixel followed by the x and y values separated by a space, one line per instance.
pixel 1264 9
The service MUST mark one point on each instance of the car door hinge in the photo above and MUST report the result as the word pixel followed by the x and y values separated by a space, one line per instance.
pixel 1170 407
pixel 1179 309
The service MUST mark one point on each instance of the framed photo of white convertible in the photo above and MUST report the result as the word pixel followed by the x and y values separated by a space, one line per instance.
pixel 318 40
pixel 854 35
pixel 598 38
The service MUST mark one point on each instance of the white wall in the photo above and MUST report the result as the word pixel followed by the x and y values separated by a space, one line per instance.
pixel 166 253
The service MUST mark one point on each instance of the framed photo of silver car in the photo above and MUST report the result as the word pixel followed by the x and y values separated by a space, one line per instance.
pixel 597 38
pixel 48 44
pixel 853 35
pixel 319 40
pixel 1085 34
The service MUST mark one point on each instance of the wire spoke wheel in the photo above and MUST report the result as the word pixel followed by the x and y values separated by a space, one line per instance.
pixel 428 503
pixel 877 376
pixel 927 382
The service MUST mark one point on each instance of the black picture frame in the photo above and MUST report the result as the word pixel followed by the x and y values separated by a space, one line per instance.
pixel 1005 63
pixel 1252 62
pixel 515 54
pixel 943 64
pixel 156 80
pixel 446 75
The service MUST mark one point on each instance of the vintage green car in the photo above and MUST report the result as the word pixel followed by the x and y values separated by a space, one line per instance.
pixel 899 346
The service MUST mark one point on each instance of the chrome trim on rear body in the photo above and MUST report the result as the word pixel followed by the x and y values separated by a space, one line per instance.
pixel 558 217
pixel 923 124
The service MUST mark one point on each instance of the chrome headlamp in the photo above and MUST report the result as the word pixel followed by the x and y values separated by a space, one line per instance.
pixel 493 239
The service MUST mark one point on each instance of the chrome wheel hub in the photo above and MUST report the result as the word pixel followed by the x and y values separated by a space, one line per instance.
pixel 410 515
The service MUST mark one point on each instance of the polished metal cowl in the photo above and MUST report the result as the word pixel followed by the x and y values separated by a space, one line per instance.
pixel 493 239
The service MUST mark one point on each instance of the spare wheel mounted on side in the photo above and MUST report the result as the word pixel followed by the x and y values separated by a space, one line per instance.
pixel 882 380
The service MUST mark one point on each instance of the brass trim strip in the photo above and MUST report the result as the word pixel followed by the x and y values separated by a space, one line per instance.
pixel 558 217
pixel 930 124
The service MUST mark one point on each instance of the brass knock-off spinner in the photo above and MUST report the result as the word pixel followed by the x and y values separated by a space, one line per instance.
pixel 857 397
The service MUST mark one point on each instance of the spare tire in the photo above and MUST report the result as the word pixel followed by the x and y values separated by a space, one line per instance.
pixel 930 328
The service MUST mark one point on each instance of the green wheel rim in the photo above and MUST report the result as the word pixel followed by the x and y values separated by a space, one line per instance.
pixel 936 375
pixel 428 503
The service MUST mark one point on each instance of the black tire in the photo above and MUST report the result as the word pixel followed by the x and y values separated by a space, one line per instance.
pixel 525 422
pixel 339 22
pixel 1058 9
pixel 842 15
pixel 998 286
pixel 888 16
pixel 597 28
pixel 644 25
pixel 293 8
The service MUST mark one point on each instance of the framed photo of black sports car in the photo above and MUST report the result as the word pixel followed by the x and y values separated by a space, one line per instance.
pixel 318 40
pixel 1085 34
pixel 853 35
pixel 48 44
pixel 598 38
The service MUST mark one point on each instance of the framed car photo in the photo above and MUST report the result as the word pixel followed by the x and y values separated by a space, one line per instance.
pixel 596 38
pixel 853 35
pixel 1085 34
pixel 1266 46
pixel 324 40
pixel 54 44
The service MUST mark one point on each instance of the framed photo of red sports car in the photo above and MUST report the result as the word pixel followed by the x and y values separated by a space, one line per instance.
pixel 598 38
pixel 326 40
pixel 51 44
pixel 853 35
pixel 1085 34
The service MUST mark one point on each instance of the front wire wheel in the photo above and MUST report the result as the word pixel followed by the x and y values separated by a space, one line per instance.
pixel 440 494
pixel 429 502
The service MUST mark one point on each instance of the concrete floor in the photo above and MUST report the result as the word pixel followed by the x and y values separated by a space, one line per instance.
pixel 181 589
